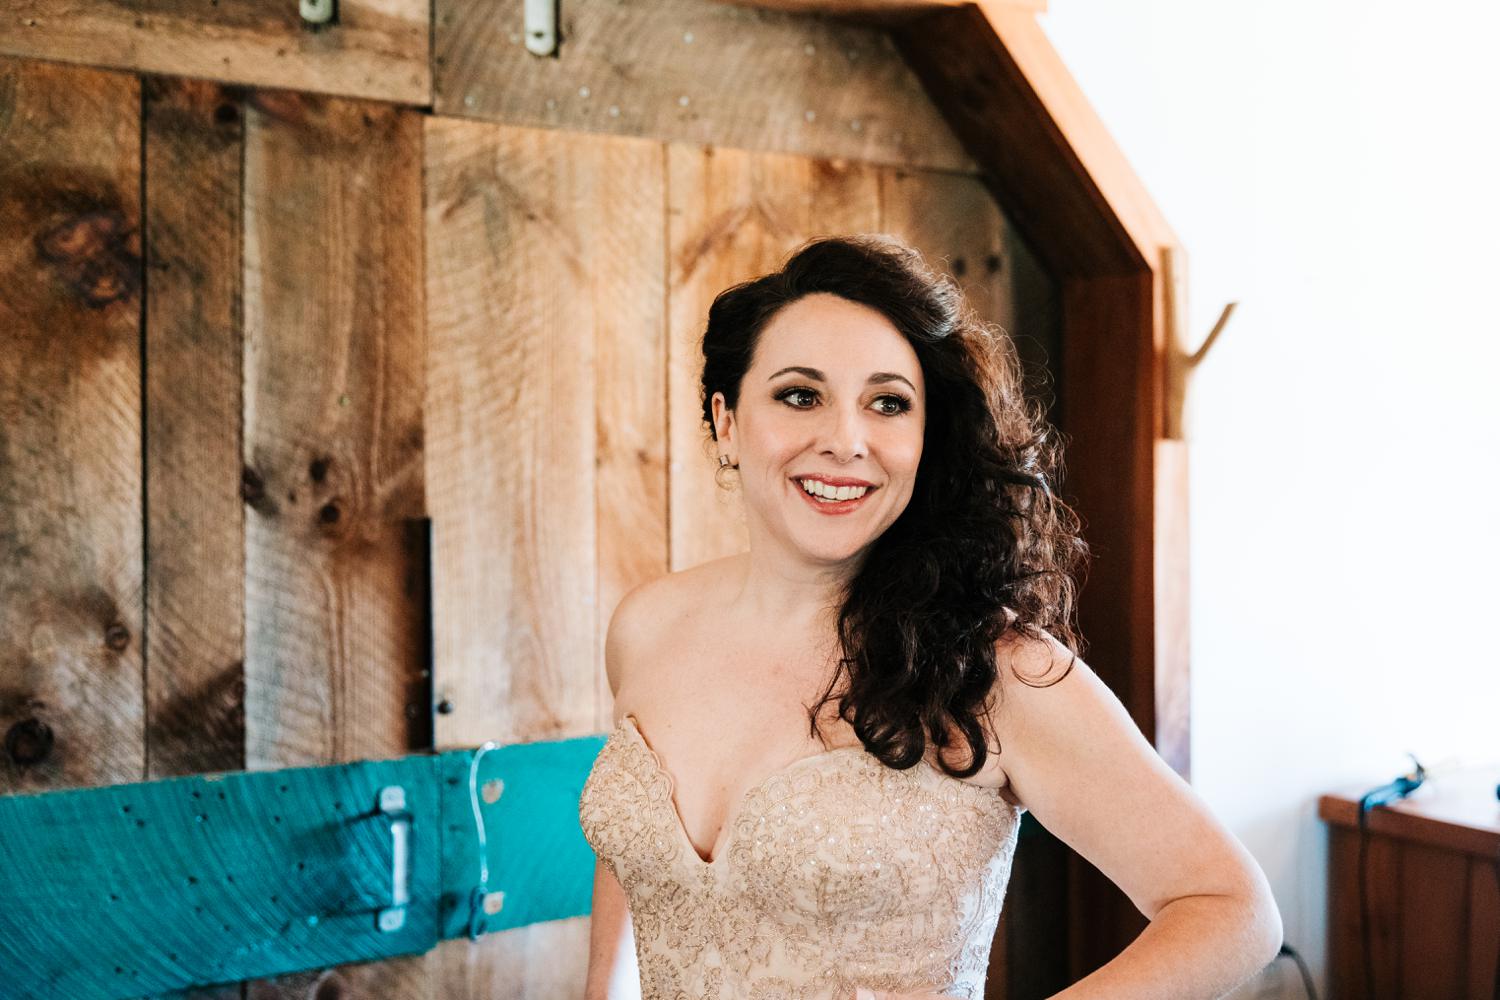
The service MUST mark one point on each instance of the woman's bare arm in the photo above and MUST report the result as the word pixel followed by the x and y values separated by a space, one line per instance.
pixel 612 974
pixel 1074 757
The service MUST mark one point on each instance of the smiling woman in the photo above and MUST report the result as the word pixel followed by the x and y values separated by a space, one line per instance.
pixel 912 565
pixel 836 433
pixel 859 362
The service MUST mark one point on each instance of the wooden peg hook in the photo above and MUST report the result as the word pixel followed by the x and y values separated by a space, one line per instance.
pixel 1179 362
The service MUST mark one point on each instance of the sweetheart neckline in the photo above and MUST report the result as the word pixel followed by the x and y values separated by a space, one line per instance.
pixel 727 830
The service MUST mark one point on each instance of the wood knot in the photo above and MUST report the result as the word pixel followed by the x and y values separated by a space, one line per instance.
pixel 96 253
pixel 29 742
pixel 331 987
pixel 253 489
pixel 117 636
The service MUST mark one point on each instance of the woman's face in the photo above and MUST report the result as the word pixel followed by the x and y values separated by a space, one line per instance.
pixel 834 397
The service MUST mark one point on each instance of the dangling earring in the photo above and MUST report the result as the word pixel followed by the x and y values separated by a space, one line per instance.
pixel 724 463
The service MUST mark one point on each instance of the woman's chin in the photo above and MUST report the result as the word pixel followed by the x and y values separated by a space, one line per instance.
pixel 828 552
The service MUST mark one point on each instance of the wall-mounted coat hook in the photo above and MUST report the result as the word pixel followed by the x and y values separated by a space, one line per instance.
pixel 1179 363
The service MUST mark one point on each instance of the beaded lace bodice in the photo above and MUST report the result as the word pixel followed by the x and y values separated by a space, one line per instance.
pixel 835 871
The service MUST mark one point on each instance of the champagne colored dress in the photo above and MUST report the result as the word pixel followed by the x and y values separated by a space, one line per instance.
pixel 836 871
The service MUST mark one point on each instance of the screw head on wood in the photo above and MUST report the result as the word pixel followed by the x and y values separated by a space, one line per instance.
pixel 316 11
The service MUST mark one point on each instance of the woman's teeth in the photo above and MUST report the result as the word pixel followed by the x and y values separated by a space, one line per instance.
pixel 833 494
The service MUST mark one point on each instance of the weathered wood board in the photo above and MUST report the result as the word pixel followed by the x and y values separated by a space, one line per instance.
pixel 546 465
pixel 333 428
pixel 375 48
pixel 71 559
pixel 693 71
pixel 195 536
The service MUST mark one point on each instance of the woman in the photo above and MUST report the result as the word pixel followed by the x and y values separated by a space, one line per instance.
pixel 823 746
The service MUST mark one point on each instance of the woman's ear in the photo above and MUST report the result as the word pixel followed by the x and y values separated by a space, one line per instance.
pixel 723 422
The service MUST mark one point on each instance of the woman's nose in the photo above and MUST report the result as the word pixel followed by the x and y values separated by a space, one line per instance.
pixel 844 434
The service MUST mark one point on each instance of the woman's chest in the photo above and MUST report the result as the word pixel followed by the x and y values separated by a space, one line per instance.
pixel 836 834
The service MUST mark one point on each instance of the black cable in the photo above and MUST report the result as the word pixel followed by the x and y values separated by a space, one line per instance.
pixel 1398 789
pixel 1307 981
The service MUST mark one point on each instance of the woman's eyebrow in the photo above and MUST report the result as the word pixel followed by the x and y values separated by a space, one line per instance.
pixel 813 373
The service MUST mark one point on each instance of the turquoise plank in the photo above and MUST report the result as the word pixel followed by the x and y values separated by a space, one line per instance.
pixel 540 867
pixel 137 889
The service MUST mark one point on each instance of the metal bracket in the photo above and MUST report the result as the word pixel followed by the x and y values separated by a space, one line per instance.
pixel 541 27
pixel 317 11
pixel 392 804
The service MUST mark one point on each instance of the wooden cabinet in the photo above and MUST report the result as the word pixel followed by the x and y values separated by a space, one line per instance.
pixel 1432 889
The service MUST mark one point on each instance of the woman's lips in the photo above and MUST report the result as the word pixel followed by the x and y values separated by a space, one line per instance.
pixel 834 506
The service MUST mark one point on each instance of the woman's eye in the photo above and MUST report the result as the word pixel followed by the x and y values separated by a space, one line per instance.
pixel 890 404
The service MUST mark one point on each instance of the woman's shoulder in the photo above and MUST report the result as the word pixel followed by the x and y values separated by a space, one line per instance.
pixel 656 609
pixel 658 601
pixel 1033 654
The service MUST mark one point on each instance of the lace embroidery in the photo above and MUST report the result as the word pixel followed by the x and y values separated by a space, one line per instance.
pixel 835 870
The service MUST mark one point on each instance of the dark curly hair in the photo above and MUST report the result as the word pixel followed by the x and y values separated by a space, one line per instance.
pixel 985 546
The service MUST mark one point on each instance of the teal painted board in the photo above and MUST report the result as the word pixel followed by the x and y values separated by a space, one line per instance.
pixel 540 867
pixel 137 889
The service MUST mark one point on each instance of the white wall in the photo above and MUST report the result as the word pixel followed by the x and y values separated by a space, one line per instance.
pixel 1333 166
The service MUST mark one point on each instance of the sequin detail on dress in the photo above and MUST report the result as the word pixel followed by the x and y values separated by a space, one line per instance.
pixel 835 870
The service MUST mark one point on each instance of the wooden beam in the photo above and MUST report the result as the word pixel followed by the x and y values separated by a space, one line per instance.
pixel 693 71
pixel 1008 97
pixel 1085 133
pixel 378 49
pixel 880 10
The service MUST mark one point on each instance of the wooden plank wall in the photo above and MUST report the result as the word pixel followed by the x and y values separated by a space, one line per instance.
pixel 212 437
pixel 256 337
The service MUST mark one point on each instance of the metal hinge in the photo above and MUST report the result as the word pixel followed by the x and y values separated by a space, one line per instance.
pixel 541 26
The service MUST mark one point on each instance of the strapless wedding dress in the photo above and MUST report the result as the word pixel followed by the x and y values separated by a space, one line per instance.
pixel 835 871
